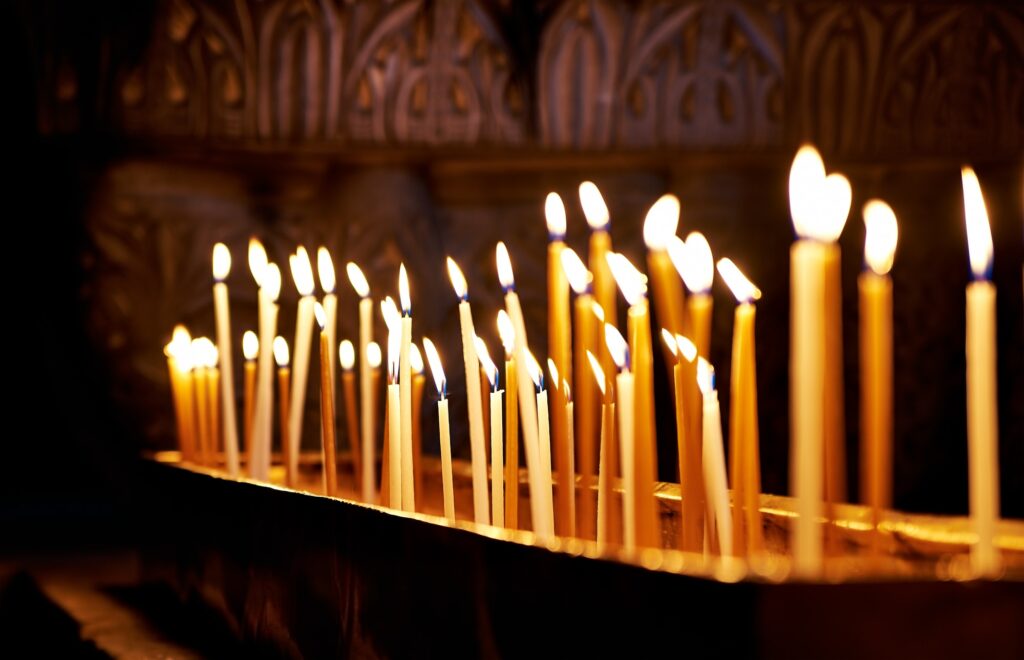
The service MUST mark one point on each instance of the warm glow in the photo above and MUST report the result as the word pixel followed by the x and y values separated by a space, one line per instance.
pixel 180 348
pixel 403 290
pixel 435 365
pixel 554 213
pixel 325 268
pixel 577 274
pixel 979 233
pixel 595 367
pixel 280 351
pixel 458 280
pixel 533 368
pixel 257 260
pixel 617 346
pixel 687 347
pixel 553 370
pixel 506 332
pixel 358 280
pixel 741 287
pixel 373 355
pixel 598 311
pixel 881 234
pixel 630 280
pixel 302 271
pixel 392 318
pixel 204 353
pixel 346 355
pixel 594 208
pixel 250 345
pixel 705 376
pixel 670 341
pixel 272 281
pixel 221 262
pixel 806 185
pixel 415 359
pixel 180 337
pixel 486 362
pixel 661 223
pixel 504 267
pixel 320 314
pixel 698 266
pixel 838 195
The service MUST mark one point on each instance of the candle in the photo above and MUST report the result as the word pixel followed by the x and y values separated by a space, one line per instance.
pixel 875 290
pixel 205 360
pixel 982 421
pixel 571 486
pixel 606 455
pixel 393 321
pixel 497 467
pixel 269 281
pixel 540 505
pixel 327 425
pixel 444 431
pixel 818 205
pixel 201 401
pixel 714 460
pixel 302 273
pixel 250 349
pixel 559 348
pixel 328 282
pixel 367 393
pixel 689 441
pixel 478 452
pixel 213 397
pixel 696 266
pixel 281 356
pixel 347 357
pixel 507 334
pixel 744 454
pixel 599 220
pixel 659 228
pixel 564 451
pixel 405 390
pixel 221 268
pixel 586 410
pixel 374 358
pixel 179 352
pixel 543 427
pixel 418 383
pixel 624 402
pixel 631 283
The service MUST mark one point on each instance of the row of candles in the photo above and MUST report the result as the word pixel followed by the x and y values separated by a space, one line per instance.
pixel 587 426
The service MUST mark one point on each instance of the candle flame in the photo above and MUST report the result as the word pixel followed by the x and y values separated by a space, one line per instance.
pixel 281 351
pixel 505 276
pixel 357 279
pixel 661 222
pixel 577 274
pixel 594 208
pixel 458 280
pixel 180 348
pixel 181 336
pixel 598 372
pixel 568 391
pixel 806 180
pixel 325 268
pixel 415 359
pixel 347 355
pixel 705 376
pixel 272 281
pixel 598 311
pixel 436 370
pixel 741 287
pixel 617 346
pixel 257 260
pixel 486 362
pixel 631 281
pixel 838 196
pixel 373 355
pixel 880 236
pixel 302 271
pixel 687 347
pixel 553 370
pixel 392 318
pixel 533 368
pixel 694 262
pixel 221 262
pixel 507 333
pixel 204 353
pixel 320 314
pixel 403 290
pixel 554 213
pixel 250 345
pixel 979 232
pixel 670 341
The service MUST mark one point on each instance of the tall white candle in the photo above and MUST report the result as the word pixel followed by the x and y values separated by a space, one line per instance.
pixel 393 320
pixel 478 450
pixel 571 435
pixel 270 288
pixel 982 417
pixel 497 429
pixel 714 458
pixel 366 413
pixel 602 474
pixel 405 389
pixel 221 268
pixel 328 282
pixel 624 387
pixel 258 266
pixel 302 273
pixel 445 432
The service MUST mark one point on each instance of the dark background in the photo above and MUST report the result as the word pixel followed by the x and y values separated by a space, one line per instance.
pixel 143 132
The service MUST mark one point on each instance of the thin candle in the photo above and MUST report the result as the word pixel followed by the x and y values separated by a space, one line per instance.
pixel 696 266
pixel 221 268
pixel 327 422
pixel 281 357
pixel 619 351
pixel 569 430
pixel 559 349
pixel 474 404
pixel 374 359
pixel 213 397
pixel 563 451
pixel 418 383
pixel 875 290
pixel 250 349
pixel 393 321
pixel 347 358
pixel 714 461
pixel 497 466
pixel 599 220
pixel 543 425
pixel 179 358
pixel 606 455
pixel 201 401
pixel 270 287
pixel 659 228
pixel 405 391
pixel 328 283
pixel 507 334
pixel 444 431
pixel 302 273
pixel 982 419
pixel 367 393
